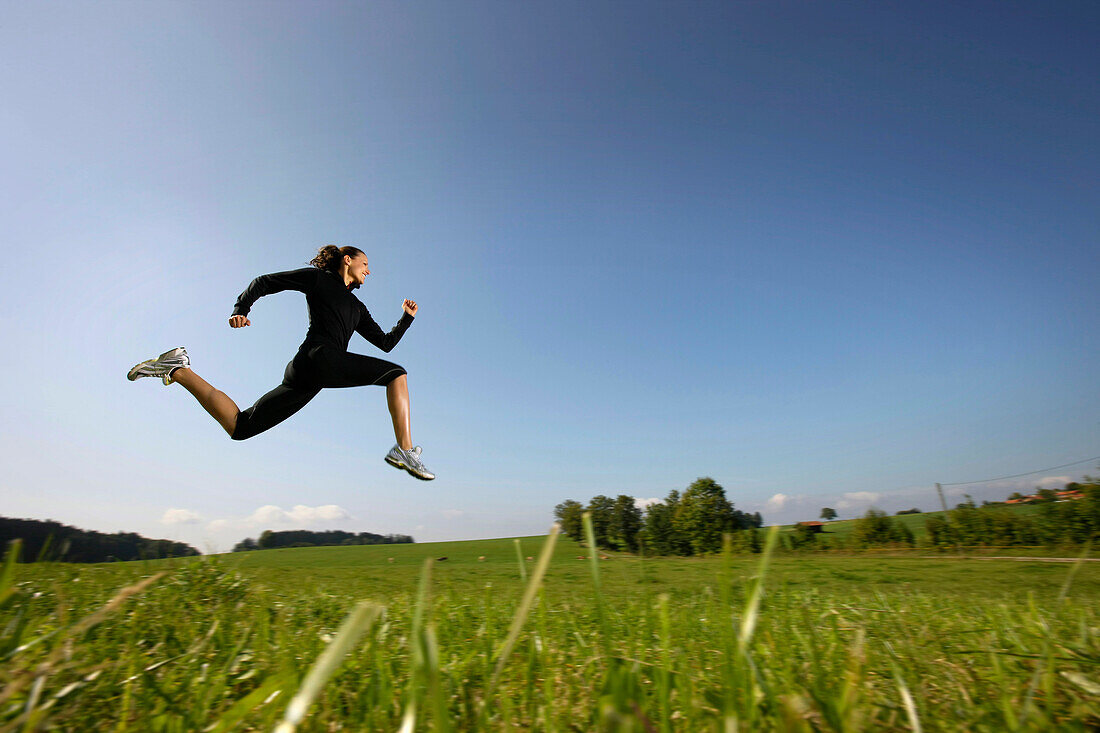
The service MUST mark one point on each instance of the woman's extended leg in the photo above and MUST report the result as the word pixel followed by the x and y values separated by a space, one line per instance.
pixel 397 397
pixel 403 455
pixel 216 402
pixel 352 370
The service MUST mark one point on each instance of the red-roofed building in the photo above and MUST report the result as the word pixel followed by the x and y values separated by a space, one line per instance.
pixel 1065 495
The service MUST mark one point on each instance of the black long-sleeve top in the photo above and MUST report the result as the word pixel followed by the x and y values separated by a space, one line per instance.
pixel 334 311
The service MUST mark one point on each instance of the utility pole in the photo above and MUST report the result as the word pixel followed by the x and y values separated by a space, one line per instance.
pixel 939 490
pixel 947 517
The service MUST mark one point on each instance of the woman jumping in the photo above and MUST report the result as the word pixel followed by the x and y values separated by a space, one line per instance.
pixel 322 359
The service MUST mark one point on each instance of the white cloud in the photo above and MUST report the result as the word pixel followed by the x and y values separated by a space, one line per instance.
pixel 1053 481
pixel 300 514
pixel 858 498
pixel 776 503
pixel 453 513
pixel 644 503
pixel 268 514
pixel 180 516
pixel 323 513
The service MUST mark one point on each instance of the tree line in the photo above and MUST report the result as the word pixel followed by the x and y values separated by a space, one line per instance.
pixel 692 523
pixel 50 540
pixel 1055 523
pixel 306 538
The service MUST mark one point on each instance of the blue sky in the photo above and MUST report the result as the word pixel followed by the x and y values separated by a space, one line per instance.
pixel 828 254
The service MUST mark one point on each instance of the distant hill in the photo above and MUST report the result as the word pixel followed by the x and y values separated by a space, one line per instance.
pixel 50 540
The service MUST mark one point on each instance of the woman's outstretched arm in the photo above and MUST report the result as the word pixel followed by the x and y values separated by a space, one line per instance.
pixel 302 280
pixel 373 333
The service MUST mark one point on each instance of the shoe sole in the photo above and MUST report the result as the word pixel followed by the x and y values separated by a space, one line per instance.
pixel 134 373
pixel 402 467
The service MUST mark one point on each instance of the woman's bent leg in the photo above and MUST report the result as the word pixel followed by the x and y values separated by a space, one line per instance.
pixel 355 370
pixel 352 370
pixel 397 398
pixel 271 409
pixel 214 401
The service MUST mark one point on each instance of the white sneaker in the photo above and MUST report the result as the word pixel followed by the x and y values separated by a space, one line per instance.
pixel 162 366
pixel 409 460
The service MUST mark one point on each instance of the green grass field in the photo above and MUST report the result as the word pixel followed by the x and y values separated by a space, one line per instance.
pixel 838 643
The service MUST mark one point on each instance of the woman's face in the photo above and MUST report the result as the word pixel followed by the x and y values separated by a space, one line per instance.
pixel 358 268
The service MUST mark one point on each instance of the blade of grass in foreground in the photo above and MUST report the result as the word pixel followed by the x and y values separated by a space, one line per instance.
pixel 353 628
pixel 741 681
pixel 664 675
pixel 424 658
pixel 1073 572
pixel 8 573
pixel 906 698
pixel 522 612
pixel 594 565
pixel 247 704
pixel 519 558
pixel 752 604
pixel 440 722
pixel 422 597
pixel 12 635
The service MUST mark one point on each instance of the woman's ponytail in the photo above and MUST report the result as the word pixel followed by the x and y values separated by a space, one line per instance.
pixel 330 256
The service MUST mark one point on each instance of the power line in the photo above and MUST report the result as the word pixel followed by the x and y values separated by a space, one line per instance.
pixel 1018 475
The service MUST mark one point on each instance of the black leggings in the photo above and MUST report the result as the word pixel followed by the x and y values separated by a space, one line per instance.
pixel 313 368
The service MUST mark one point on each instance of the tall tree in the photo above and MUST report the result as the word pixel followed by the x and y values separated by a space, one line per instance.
pixel 679 542
pixel 570 513
pixel 704 514
pixel 602 508
pixel 828 513
pixel 658 529
pixel 626 521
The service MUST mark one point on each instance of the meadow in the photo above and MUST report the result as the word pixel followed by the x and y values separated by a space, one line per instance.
pixel 524 634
